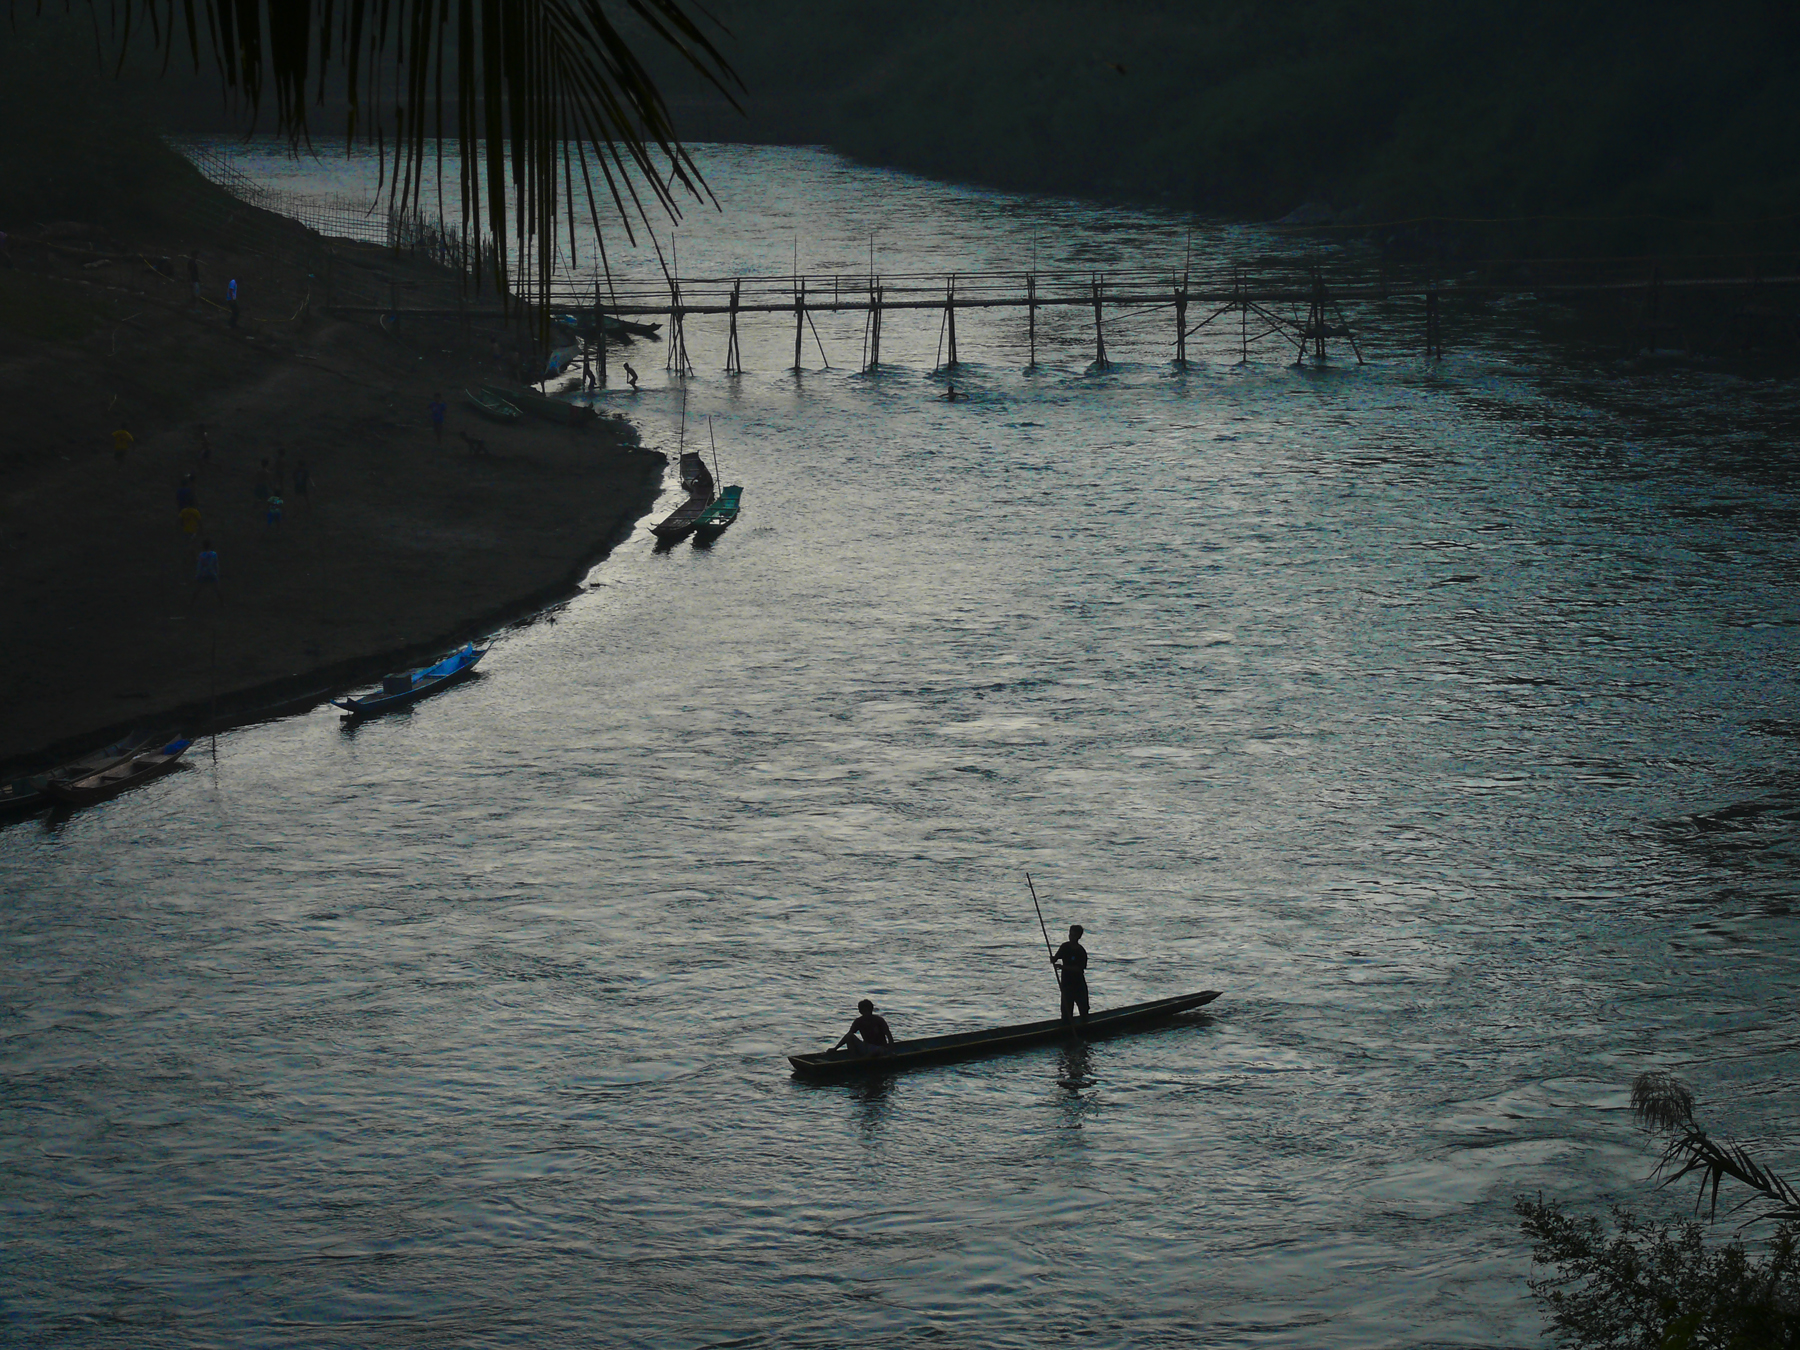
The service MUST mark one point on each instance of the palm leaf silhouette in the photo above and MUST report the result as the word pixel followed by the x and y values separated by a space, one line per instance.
pixel 528 90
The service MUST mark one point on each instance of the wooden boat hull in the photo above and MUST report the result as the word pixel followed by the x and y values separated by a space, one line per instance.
pixel 26 792
pixel 424 683
pixel 720 514
pixel 541 405
pixel 492 406
pixel 998 1041
pixel 139 768
pixel 682 520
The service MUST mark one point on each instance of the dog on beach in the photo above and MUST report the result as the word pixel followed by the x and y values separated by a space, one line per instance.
pixel 476 446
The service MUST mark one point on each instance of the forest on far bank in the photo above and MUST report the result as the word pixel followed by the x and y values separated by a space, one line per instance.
pixel 1662 126
pixel 1604 128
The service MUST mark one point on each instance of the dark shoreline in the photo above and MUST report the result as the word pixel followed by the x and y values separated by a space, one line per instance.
pixel 298 693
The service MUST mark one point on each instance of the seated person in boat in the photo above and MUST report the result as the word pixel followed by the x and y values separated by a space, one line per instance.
pixel 868 1034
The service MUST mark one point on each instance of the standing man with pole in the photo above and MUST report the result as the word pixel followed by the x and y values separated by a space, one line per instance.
pixel 1072 959
pixel 1069 961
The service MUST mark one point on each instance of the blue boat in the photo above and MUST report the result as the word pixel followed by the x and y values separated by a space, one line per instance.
pixel 399 690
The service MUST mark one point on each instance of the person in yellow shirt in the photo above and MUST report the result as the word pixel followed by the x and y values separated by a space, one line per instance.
pixel 122 441
pixel 190 521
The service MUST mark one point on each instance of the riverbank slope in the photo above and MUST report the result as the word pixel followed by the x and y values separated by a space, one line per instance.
pixel 401 542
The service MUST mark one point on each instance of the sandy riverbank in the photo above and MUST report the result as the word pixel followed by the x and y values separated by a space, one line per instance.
pixel 401 545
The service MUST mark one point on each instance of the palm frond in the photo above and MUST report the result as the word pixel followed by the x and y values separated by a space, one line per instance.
pixel 1663 1103
pixel 524 77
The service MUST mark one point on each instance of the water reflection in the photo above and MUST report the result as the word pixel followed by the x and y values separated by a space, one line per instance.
pixel 1074 1080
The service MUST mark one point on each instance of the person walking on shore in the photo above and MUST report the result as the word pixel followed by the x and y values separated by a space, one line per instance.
pixel 437 411
pixel 1071 961
pixel 122 441
pixel 631 377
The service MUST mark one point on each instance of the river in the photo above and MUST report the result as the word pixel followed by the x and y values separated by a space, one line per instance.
pixel 1442 717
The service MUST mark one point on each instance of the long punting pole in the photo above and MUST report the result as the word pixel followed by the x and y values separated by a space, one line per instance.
pixel 1046 932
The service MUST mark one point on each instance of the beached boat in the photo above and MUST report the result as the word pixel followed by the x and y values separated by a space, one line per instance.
pixel 541 405
pixel 127 773
pixel 998 1041
pixel 559 360
pixel 491 406
pixel 619 330
pixel 27 790
pixel 721 513
pixel 683 518
pixel 399 690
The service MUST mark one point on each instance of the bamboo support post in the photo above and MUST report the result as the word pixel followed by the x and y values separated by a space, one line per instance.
pixel 799 317
pixel 1243 303
pixel 1100 361
pixel 1181 303
pixel 950 318
pixel 1031 317
pixel 600 334
pixel 734 356
pixel 875 329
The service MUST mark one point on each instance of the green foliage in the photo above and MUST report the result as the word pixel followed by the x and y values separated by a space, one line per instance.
pixel 1640 1287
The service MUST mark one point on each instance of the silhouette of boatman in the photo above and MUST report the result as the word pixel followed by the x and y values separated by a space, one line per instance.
pixel 1071 959
pixel 868 1034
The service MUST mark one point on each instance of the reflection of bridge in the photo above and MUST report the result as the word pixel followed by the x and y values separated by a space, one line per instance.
pixel 1296 303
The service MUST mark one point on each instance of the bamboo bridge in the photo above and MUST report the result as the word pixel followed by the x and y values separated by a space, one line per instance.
pixel 1302 305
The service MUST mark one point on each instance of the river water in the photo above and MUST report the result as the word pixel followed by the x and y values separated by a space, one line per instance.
pixel 1442 718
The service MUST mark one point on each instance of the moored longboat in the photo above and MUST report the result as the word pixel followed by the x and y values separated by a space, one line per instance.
pixel 26 791
pixel 127 773
pixel 720 514
pixel 491 406
pixel 542 405
pixel 411 686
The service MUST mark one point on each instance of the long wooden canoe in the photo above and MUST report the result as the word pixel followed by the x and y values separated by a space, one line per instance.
pixel 721 513
pixel 27 791
pixel 140 768
pixel 410 686
pixel 998 1041
pixel 491 406
pixel 680 522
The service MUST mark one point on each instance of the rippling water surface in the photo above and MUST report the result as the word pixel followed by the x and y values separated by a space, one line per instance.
pixel 1442 718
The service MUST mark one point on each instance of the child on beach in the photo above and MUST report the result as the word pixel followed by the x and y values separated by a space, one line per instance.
pixel 273 514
